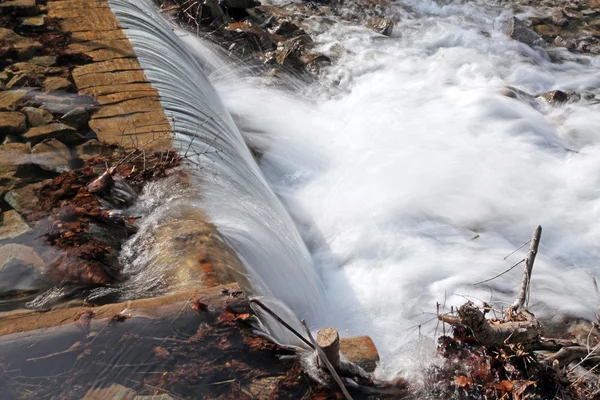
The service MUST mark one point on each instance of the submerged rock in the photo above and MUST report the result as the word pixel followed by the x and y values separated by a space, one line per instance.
pixel 13 225
pixel 76 118
pixel 21 270
pixel 113 392
pixel 24 199
pixel 51 155
pixel 516 29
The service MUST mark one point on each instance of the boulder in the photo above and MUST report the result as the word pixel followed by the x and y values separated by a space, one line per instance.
pixel 62 132
pixel 380 25
pixel 516 29
pixel 57 83
pixel 77 117
pixel 37 116
pixel 12 226
pixel 13 44
pixel 12 122
pixel 21 270
pixel 19 8
pixel 25 199
pixel 51 155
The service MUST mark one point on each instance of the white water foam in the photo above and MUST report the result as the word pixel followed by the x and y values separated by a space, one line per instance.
pixel 418 152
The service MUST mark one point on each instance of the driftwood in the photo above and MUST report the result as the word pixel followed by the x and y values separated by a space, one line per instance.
pixel 520 326
pixel 498 334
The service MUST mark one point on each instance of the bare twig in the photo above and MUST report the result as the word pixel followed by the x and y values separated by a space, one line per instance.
pixel 523 296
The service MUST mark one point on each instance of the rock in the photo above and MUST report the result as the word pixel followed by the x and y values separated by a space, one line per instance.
pixel 113 392
pixel 24 200
pixel 56 83
pixel 557 17
pixel 12 156
pixel 33 22
pixel 76 118
pixel 517 30
pixel 17 81
pixel 263 388
pixel 12 122
pixel 547 31
pixel 13 225
pixel 55 130
pixel 10 99
pixel 44 61
pixel 12 44
pixel 51 155
pixel 31 70
pixel 561 42
pixel 90 149
pixel 361 351
pixel 19 8
pixel 163 396
pixel 380 25
pixel 21 270
pixel 555 97
pixel 37 116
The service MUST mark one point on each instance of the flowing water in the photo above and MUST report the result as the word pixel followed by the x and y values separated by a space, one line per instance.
pixel 407 172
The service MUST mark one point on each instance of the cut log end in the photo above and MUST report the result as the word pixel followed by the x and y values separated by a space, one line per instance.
pixel 329 340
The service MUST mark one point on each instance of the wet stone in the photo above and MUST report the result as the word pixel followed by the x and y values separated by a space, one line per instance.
pixel 13 225
pixel 56 83
pixel 21 270
pixel 23 47
pixel 25 199
pixel 114 392
pixel 12 122
pixel 37 116
pixel 77 118
pixel 555 96
pixel 45 61
pixel 51 155
pixel 12 156
pixel 33 22
pixel 62 132
pixel 10 99
pixel 381 25
pixel 90 149
pixel 516 29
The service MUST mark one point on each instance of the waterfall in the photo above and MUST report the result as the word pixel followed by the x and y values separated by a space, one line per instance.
pixel 234 192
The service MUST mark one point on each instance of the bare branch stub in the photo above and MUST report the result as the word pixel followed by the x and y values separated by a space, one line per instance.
pixel 523 297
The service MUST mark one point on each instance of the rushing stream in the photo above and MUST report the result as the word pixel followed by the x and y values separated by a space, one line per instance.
pixel 407 172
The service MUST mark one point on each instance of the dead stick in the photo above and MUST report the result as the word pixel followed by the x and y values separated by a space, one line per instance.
pixel 282 322
pixel 529 260
pixel 323 357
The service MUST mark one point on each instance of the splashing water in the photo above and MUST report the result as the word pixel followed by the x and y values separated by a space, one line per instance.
pixel 234 193
pixel 419 152
pixel 392 176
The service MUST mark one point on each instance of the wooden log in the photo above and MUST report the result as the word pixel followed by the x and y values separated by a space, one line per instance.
pixel 328 339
